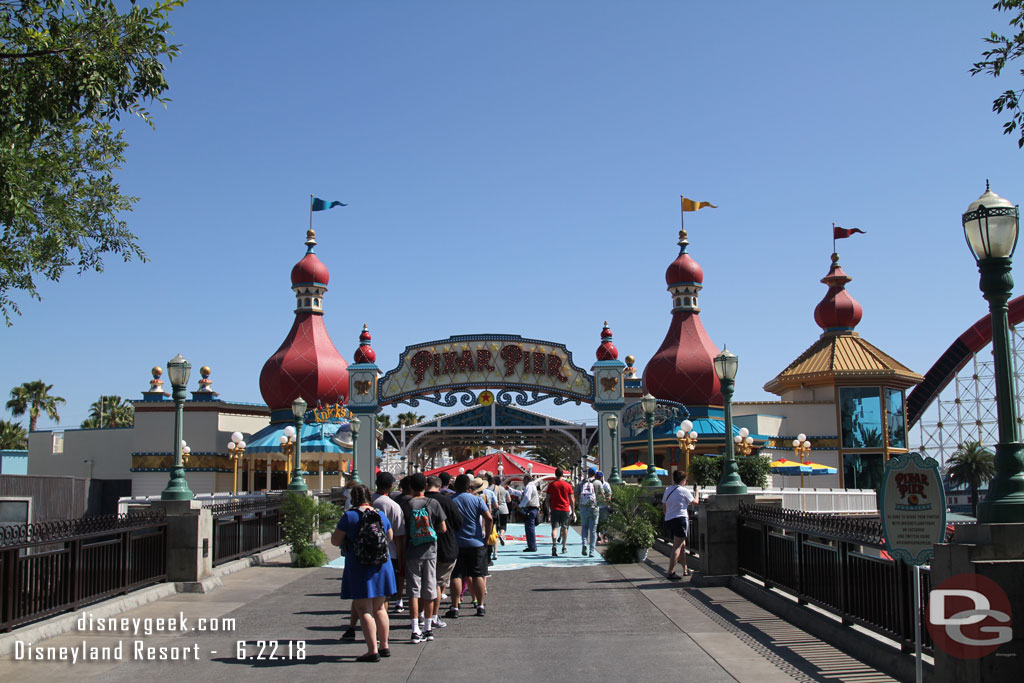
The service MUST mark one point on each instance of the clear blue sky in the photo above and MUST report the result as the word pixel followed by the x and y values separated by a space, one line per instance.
pixel 516 168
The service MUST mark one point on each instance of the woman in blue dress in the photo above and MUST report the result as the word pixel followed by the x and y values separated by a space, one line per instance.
pixel 367 586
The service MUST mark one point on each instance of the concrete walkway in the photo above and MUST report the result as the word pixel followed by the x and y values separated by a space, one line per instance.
pixel 595 622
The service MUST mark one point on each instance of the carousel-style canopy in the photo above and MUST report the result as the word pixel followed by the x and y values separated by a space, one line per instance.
pixel 316 438
pixel 514 466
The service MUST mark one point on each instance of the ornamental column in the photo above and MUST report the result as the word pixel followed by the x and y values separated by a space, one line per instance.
pixel 362 401
pixel 608 397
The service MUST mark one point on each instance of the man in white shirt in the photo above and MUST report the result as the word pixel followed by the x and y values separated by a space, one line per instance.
pixel 675 504
pixel 383 501
pixel 529 504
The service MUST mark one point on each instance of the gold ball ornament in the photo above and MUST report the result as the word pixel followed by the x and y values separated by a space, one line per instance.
pixel 204 371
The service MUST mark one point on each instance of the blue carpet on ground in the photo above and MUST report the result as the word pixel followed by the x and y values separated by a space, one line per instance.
pixel 511 555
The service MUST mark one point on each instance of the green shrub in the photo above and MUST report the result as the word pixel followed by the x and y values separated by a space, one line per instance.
pixel 310 556
pixel 619 552
pixel 632 522
pixel 706 470
pixel 301 515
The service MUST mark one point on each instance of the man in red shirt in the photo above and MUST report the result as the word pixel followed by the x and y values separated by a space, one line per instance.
pixel 561 503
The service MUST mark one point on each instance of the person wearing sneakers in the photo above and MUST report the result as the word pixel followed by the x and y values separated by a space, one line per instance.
pixel 472 562
pixel 529 504
pixel 424 523
pixel 586 492
pixel 503 501
pixel 561 502
pixel 674 503
pixel 447 545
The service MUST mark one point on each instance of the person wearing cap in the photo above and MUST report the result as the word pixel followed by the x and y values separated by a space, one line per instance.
pixel 471 564
pixel 586 494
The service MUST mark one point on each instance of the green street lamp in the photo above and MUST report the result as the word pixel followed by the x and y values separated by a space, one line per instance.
pixel 177 488
pixel 298 484
pixel 726 365
pixel 612 420
pixel 354 424
pixel 991 225
pixel 649 404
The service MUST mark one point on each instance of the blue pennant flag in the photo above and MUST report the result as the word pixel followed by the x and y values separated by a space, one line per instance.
pixel 322 204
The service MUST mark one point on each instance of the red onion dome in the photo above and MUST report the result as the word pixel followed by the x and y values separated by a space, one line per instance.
pixel 683 369
pixel 838 311
pixel 365 352
pixel 684 268
pixel 607 350
pixel 310 270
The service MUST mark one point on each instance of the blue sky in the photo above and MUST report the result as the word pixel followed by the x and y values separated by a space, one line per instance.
pixel 516 168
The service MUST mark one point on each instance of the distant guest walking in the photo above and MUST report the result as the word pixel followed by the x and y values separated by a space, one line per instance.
pixel 363 533
pixel 529 504
pixel 561 501
pixel 675 503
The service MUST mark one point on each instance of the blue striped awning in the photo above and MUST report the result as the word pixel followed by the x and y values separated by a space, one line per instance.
pixel 315 438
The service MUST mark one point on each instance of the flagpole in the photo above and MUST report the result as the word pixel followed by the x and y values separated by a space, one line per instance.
pixel 833 237
pixel 682 214
pixel 310 212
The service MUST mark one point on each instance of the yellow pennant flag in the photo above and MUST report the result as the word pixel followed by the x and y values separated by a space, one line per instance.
pixel 690 205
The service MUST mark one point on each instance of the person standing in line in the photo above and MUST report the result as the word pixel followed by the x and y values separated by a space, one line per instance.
pixel 561 502
pixel 529 504
pixel 674 503
pixel 472 562
pixel 482 487
pixel 604 501
pixel 366 585
pixel 446 479
pixel 587 495
pixel 425 522
pixel 389 508
pixel 447 545
pixel 503 501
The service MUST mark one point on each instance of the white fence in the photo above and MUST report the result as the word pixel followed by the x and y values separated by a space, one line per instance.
pixel 817 500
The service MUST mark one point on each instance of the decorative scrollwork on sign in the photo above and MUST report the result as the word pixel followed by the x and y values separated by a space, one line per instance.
pixel 506 397
pixel 449 400
pixel 667 411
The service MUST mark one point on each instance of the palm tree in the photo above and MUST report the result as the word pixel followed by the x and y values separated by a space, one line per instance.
pixel 110 411
pixel 12 436
pixel 409 419
pixel 971 465
pixel 560 456
pixel 34 398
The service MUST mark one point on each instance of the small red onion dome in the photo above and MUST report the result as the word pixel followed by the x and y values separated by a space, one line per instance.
pixel 684 268
pixel 364 352
pixel 310 270
pixel 607 350
pixel 838 311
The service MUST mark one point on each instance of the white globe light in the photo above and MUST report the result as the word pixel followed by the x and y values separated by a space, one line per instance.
pixel 231 445
pixel 241 445
pixel 796 443
pixel 284 439
pixel 744 431
pixel 183 444
pixel 801 437
pixel 186 450
pixel 807 444
pixel 686 425
pixel 738 438
pixel 289 431
pixel 236 436
pixel 693 435
pixel 749 440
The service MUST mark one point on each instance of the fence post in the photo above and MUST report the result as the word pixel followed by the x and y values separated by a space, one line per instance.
pixel 798 568
pixel 189 540
pixel 843 557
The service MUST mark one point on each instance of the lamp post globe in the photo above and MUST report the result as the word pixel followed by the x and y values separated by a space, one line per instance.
pixel 298 483
pixel 177 488
pixel 991 226
pixel 355 425
pixel 726 365
pixel 612 421
pixel 650 404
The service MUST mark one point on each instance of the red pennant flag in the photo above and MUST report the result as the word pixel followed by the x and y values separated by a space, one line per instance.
pixel 842 233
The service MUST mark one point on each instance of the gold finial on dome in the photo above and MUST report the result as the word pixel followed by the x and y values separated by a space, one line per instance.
pixel 630 359
pixel 157 371
pixel 205 371
pixel 682 238
pixel 310 238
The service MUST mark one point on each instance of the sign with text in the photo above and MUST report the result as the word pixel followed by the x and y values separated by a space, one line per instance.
pixel 913 508
pixel 486 361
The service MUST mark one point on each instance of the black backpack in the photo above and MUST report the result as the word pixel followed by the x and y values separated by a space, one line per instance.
pixel 371 542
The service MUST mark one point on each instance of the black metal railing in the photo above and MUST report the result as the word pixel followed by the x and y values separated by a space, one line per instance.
pixel 52 567
pixel 835 562
pixel 245 526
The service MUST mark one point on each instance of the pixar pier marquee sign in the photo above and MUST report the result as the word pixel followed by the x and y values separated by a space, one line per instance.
pixel 521 371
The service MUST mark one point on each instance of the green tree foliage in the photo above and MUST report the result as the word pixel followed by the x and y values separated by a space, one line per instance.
pixel 110 411
pixel 1005 49
pixel 555 456
pixel 68 70
pixel 13 436
pixel 302 516
pixel 632 523
pixel 34 398
pixel 971 466
pixel 706 470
